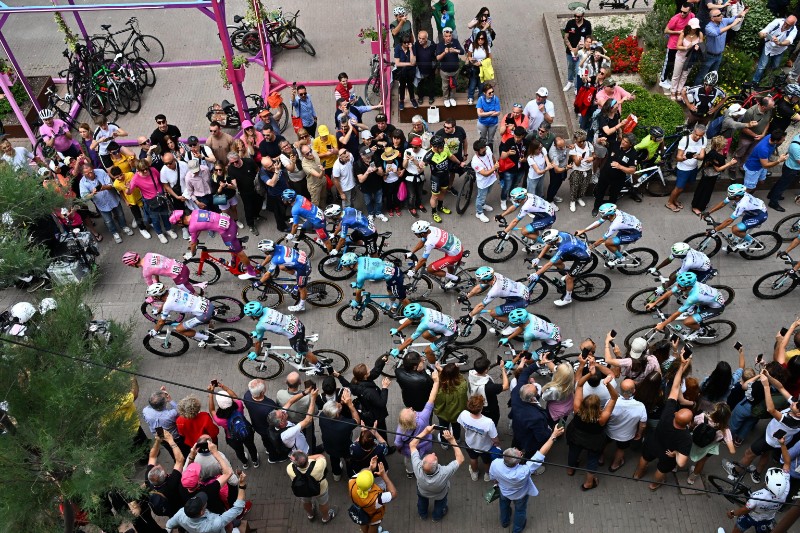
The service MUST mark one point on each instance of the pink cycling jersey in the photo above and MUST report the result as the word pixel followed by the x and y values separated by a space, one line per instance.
pixel 58 132
pixel 157 265
pixel 202 220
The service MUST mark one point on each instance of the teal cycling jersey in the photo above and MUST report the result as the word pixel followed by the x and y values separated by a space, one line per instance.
pixel 701 294
pixel 435 322
pixel 538 329
pixel 276 322
pixel 373 269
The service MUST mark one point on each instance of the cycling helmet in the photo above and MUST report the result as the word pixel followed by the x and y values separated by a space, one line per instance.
pixel 680 249
pixel 333 210
pixel 386 265
pixel 130 258
pixel 349 259
pixel 484 273
pixel 412 311
pixel 608 209
pixel 176 216
pixel 775 480
pixel 792 89
pixel 253 309
pixel 46 114
pixel 711 78
pixel 420 226
pixel 437 141
pixel 518 316
pixel 47 304
pixel 156 289
pixel 288 195
pixel 399 10
pixel 737 189
pixel 23 312
pixel 266 245
pixel 519 194
pixel 550 236
pixel 656 133
pixel 686 279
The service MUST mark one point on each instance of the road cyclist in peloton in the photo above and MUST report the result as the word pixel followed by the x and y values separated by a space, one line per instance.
pixel 361 228
pixel 514 293
pixel 304 211
pixel 752 210
pixel 279 257
pixel 703 301
pixel 569 248
pixel 623 228
pixel 154 266
pixel 376 269
pixel 201 220
pixel 199 310
pixel 434 326
pixel 542 213
pixel 532 328
pixel 432 238
pixel 289 326
pixel 692 261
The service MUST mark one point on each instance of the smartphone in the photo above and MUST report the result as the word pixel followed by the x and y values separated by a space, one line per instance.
pixel 759 358
pixel 673 338
pixel 561 424
pixel 779 434
pixel 440 428
pixel 612 344
pixel 737 346
pixel 214 383
pixel 499 360
pixel 202 447
pixel 330 370
pixel 784 331
pixel 613 333
pixel 687 352
pixel 310 384
pixel 160 432
pixel 294 84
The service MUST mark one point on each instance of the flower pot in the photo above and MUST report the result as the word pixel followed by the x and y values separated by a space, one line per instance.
pixel 376 47
pixel 238 75
pixel 10 78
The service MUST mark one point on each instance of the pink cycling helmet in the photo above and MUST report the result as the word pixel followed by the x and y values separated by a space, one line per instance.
pixel 176 215
pixel 130 258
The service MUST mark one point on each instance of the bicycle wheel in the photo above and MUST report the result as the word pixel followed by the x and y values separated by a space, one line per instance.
pixel 396 256
pixel 145 71
pixel 537 292
pixel 336 359
pixel 227 309
pixel 42 150
pixel 590 287
pixel 372 90
pixel 496 250
pixel 297 35
pixel 476 333
pixel 767 243
pixel 303 245
pixel 130 92
pixel 420 288
pixel 238 340
pixel 636 303
pixel 465 193
pixel 462 356
pixel 237 36
pixel 251 44
pixel 717 331
pixel 268 295
pixel 269 367
pixel 334 270
pixel 324 294
pixel 704 243
pixel 788 227
pixel 644 331
pixel 737 494
pixel 206 272
pixel 357 318
pixel 171 345
pixel 727 292
pixel 153 313
pixel 149 48
pixel 644 258
pixel 774 285
pixel 657 188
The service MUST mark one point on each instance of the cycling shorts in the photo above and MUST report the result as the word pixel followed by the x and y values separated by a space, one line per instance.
pixel 627 236
pixel 301 275
pixel 439 183
pixel 540 221
pixel 370 241
pixel 578 266
pixel 445 261
pixel 182 280
pixel 299 343
pixel 704 313
pixel 196 320
pixel 231 240
pixel 745 522
pixel 509 305
pixel 702 275
pixel 442 342
pixel 754 220
pixel 396 285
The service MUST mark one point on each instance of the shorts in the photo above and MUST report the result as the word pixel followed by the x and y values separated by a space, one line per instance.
pixel 486 457
pixel 445 261
pixel 685 177
pixel 622 444
pixel 322 233
pixel 439 183
pixel 665 463
pixel 705 312
pixel 322 499
pixel 754 219
pixel 396 286
pixel 370 241
pixel 230 202
pixel 509 305
pixel 443 341
pixel 540 221
pixel 205 318
pixel 183 277
pixel 753 177
pixel 301 275
pixel 744 523
pixel 702 275
pixel 299 343
pixel 231 240
pixel 760 446
pixel 577 266
pixel 626 236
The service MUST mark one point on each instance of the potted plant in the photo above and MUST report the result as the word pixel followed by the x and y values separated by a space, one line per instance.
pixel 239 64
pixel 371 34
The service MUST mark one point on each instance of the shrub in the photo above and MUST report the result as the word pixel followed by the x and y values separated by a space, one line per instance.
pixel 606 34
pixel 737 67
pixel 747 39
pixel 19 95
pixel 650 65
pixel 625 54
pixel 652 109
pixel 652 29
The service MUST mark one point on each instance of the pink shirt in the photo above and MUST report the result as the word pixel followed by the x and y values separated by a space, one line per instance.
pixel 222 422
pixel 677 23
pixel 146 185
pixel 201 220
pixel 618 94
pixel 58 131
pixel 157 265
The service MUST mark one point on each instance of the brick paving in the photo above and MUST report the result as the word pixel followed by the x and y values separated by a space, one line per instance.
pixel 522 65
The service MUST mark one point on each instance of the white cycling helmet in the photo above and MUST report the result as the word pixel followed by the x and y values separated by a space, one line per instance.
pixel 736 189
pixel 156 289
pixel 776 482
pixel 333 210
pixel 46 114
pixel 550 236
pixel 46 305
pixel 23 312
pixel 399 10
pixel 420 226
pixel 266 245
pixel 680 249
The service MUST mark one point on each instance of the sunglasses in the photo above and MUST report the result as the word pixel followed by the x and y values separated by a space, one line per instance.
pixel 490 93
pixel 192 145
pixel 213 131
pixel 161 121
pixel 302 94
pixel 305 136
pixel 143 143
pixel 217 170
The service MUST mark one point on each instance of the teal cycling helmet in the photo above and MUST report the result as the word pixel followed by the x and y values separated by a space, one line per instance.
pixel 518 316
pixel 288 195
pixel 253 309
pixel 349 259
pixel 412 311
pixel 608 209
pixel 519 194
pixel 686 279
pixel 484 273
pixel 737 189
pixel 680 249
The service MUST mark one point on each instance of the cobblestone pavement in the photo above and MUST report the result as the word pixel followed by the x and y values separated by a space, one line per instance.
pixel 522 65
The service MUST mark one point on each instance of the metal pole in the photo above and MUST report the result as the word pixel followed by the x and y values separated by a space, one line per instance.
pixel 17 111
pixel 227 48
pixel 79 22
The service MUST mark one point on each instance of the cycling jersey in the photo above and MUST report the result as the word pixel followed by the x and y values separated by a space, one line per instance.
pixel 538 329
pixel 438 239
pixel 764 505
pixel 356 220
pixel 276 322
pixel 651 146
pixel 694 261
pixel 506 288
pixel 58 131
pixel 439 163
pixel 202 220
pixel 623 222
pixel 288 257
pixel 156 265
pixel 749 205
pixel 571 248
pixel 373 269
pixel 705 101
pixel 305 210
pixel 536 205
pixel 435 322
pixel 701 295
pixel 180 301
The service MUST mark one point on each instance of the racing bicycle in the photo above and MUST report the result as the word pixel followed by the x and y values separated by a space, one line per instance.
pixel 789 227
pixel 465 192
pixel 207 268
pixel 226 309
pixel 711 332
pixel 272 293
pixel 732 487
pixel 461 356
pixel 588 287
pixel 637 302
pixel 269 364
pixel 145 46
pixel 634 260
pixel 365 314
pixel 335 271
pixel 422 283
pixel 779 283
pixel 170 343
pixel 481 324
pixel 764 243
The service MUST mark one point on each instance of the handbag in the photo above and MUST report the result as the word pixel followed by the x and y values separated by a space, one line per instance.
pixel 492 494
pixel 402 192
pixel 219 199
pixel 297 122
pixel 160 202
pixel 433 114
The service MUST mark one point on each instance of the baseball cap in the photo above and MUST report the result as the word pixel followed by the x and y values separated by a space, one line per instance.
pixel 246 124
pixel 736 110
pixel 323 130
pixel 580 11
pixel 542 91
pixel 365 150
pixel 194 165
pixel 381 118
pixel 694 23
pixel 609 82
pixel 416 141
pixel 191 476
pixel 638 347
pixel 196 504
pixel 447 30
pixel 193 140
pixel 224 400
pixel 366 134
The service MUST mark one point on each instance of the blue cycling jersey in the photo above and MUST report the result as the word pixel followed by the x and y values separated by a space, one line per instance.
pixel 570 247
pixel 373 269
pixel 353 219
pixel 305 210
pixel 435 322
pixel 701 294
pixel 288 257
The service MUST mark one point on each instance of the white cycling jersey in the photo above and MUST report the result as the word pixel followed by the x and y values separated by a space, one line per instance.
pixel 694 260
pixel 505 288
pixel 747 203
pixel 439 239
pixel 623 221
pixel 536 204
pixel 180 301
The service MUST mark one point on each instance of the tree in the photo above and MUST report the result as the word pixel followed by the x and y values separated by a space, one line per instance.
pixel 71 440
pixel 421 13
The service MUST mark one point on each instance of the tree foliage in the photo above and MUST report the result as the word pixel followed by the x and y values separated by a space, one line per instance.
pixel 421 13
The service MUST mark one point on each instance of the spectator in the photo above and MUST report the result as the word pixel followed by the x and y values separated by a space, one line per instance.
pixel 691 151
pixel 559 158
pixel 627 422
pixel 227 186
pixel 173 177
pixel 303 107
pixel 482 22
pixel 717 420
pixel 133 199
pixel 148 181
pixel 451 400
pixel 559 393
pixel 511 121
pixel 270 145
pixel 425 52
pixel 393 171
pixel 198 186
pixel 103 135
pixel 433 480
pixel 164 129
pixel 480 435
pixel 382 130
pixel 229 415
pixel 760 159
pixel 96 185
pixel 419 128
pixel 448 53
pixel 86 143
pixel 292 162
pixel 164 490
pixel 544 135
pixel 444 18
pixel 704 100
pixel 369 444
pixel 300 470
pixel 195 518
pixel 585 53
pixel 617 169
pixel 713 166
pixel 651 394
pixel 538 165
pixel 687 53
pixel 276 180
pixel 788 360
pixel 413 161
pixel 409 422
pixel 314 169
pixel 286 435
pixel 612 91
pixel 404 71
pixel 150 152
pixel 265 118
pixel 202 153
pixel 704 8
pixel 211 465
pixel 745 397
pixel 161 412
pixel 244 172
pixel 343 179
pixel 513 478
pixel 259 406
pixel 480 382
pixel 510 163
pixel 750 136
pixel 251 138
pixel 372 400
pixel 219 142
pixel 529 422
pixel 582 155
pixel 214 486
pixel 778 35
pixel 485 168
pixel 371 497
pixel 477 52
pixel 173 146
pixel 674 30
pixel 539 110
pixel 574 32
pixel 715 41
pixel 455 138
pixel 370 179
pixel 637 366
pixel 298 413
pixel 400 27
pixel 336 431
pixel 731 123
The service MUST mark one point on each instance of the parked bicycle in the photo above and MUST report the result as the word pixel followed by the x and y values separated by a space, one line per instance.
pixel 366 313
pixel 170 343
pixel 779 283
pixel 711 332
pixel 272 293
pixel 140 44
pixel 465 192
pixel 461 356
pixel 372 89
pixel 750 93
pixel 270 363
pixel 282 33
pixel 227 114
pixel 764 243
pixel 639 300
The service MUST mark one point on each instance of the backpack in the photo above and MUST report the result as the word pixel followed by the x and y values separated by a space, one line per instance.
pixel 715 126
pixel 357 513
pixel 304 485
pixel 275 438
pixel 704 434
pixel 238 426
pixel 159 503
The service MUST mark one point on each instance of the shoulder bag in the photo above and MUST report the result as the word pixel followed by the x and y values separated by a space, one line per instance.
pixel 160 202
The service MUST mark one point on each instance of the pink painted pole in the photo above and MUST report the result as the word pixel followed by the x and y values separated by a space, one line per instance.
pixel 227 48
pixel 20 75
pixel 17 111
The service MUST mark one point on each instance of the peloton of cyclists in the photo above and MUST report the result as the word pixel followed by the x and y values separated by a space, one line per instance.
pixel 623 228
pixel 279 257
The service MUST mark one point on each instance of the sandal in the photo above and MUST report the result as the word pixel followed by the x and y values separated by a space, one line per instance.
pixel 696 211
pixel 680 205
pixel 584 488
pixel 98 237
pixel 654 486
pixel 673 96
pixel 674 209
pixel 612 469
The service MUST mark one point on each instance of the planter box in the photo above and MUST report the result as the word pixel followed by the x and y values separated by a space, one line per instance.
pixel 11 124
pixel 238 75
pixel 375 47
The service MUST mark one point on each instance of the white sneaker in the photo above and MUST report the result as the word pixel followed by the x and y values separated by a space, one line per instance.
pixel 144 233
pixel 172 234
pixel 483 218
pixel 162 239
pixel 487 477
pixel 503 205
pixel 469 101
pixel 185 233
pixel 488 208
pixel 133 224
pixel 453 102
pixel 382 217
pixel 446 102
pixel 371 218
pixel 572 206
pixel 557 199
pixel 117 238
pixel 563 302
pixel 473 474
pixel 239 225
pixel 127 231
pixel 296 308
pixel 665 84
pixel 581 202
pixel 568 86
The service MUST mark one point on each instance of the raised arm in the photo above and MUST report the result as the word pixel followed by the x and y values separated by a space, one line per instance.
pixel 676 383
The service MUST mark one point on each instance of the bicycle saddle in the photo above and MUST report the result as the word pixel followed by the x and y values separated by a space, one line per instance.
pixel 105 26
pixel 237 19
pixel 466 253
pixel 226 105
pixel 386 234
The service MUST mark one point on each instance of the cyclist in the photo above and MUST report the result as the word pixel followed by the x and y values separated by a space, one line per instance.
pixel 623 228
pixel 540 210
pixel 56 134
pixel 181 301
pixel 570 248
pixel 533 328
pixel 289 326
pixel 201 220
pixel 279 257
pixel 704 300
pixel 154 265
pixel 691 261
pixel 794 244
pixel 650 150
pixel 514 293
pixel 431 238
pixel 362 229
pixel 303 209
pixel 433 326
pixel 375 269
pixel 439 159
pixel 752 210
pixel 704 100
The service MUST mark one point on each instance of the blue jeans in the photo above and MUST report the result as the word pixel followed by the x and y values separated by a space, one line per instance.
pixel 439 507
pixel 114 219
pixel 480 199
pixel 520 513
pixel 474 85
pixel 710 62
pixel 742 421
pixel 766 62
pixel 373 201
pixel 535 186
pixel 507 180
pixel 157 218
pixel 572 67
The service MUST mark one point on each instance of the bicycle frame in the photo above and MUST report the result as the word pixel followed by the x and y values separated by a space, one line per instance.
pixel 268 349
pixel 205 255
pixel 131 26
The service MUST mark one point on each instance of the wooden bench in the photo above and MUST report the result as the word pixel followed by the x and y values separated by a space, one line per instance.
pixel 461 111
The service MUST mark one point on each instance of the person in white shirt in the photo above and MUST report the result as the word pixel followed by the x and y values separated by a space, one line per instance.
pixel 480 434
pixel 691 150
pixel 538 110
pixel 343 177
pixel 291 435
pixel 173 176
pixel 627 422
pixel 778 35
pixel 19 157
pixel 415 175
pixel 485 168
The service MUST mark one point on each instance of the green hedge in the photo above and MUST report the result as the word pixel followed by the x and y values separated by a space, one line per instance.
pixel 650 65
pixel 19 95
pixel 747 39
pixel 737 67
pixel 652 109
